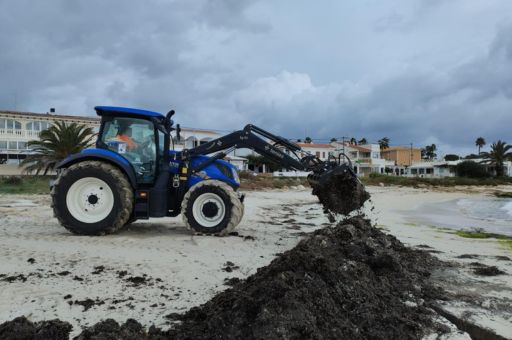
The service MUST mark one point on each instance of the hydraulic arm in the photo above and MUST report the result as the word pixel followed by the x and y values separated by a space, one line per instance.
pixel 333 181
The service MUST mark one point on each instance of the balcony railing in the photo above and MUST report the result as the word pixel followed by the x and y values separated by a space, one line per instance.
pixel 20 133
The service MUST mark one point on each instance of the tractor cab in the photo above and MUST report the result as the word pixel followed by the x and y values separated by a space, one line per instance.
pixel 139 136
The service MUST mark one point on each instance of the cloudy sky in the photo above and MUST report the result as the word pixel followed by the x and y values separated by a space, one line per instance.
pixel 420 71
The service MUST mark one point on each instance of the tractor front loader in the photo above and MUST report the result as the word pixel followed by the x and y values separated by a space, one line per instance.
pixel 132 174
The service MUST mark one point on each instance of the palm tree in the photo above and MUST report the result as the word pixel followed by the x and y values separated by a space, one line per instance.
pixel 333 140
pixel 384 143
pixel 429 152
pixel 480 141
pixel 498 155
pixel 363 141
pixel 55 144
pixel 353 141
pixel 308 140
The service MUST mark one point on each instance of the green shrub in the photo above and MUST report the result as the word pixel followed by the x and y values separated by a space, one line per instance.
pixel 451 157
pixel 471 169
pixel 25 184
pixel 12 180
pixel 503 194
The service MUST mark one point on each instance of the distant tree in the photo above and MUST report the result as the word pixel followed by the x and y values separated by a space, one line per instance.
pixel 480 142
pixel 362 141
pixel 353 141
pixel 308 140
pixel 451 157
pixel 56 143
pixel 429 152
pixel 384 143
pixel 500 152
pixel 299 140
pixel 333 140
pixel 471 169
pixel 257 161
pixel 472 156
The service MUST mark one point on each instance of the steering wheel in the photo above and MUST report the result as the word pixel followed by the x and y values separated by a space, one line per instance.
pixel 147 149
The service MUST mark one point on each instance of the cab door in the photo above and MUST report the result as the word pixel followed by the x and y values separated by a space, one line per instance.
pixel 135 140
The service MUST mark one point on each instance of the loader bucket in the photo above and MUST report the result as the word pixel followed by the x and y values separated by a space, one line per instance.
pixel 338 189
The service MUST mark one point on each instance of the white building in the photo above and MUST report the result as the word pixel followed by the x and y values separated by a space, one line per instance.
pixel 322 151
pixel 366 159
pixel 17 128
pixel 192 137
pixel 437 169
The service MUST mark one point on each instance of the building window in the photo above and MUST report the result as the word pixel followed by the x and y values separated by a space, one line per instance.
pixel 12 146
pixel 3 144
pixel 414 171
pixel 375 155
pixel 38 126
pixel 323 154
pixel 430 171
pixel 317 154
pixel 22 145
pixel 10 124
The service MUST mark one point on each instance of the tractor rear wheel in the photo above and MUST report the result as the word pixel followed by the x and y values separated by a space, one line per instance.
pixel 212 207
pixel 92 198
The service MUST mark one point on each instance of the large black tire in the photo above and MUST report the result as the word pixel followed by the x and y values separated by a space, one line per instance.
pixel 224 196
pixel 121 197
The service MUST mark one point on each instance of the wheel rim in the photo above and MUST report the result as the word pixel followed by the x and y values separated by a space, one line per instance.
pixel 209 210
pixel 90 200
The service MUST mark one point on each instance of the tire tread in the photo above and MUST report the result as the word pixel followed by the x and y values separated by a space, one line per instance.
pixel 126 194
pixel 237 210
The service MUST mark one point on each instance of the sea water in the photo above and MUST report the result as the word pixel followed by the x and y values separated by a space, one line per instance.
pixel 508 207
pixel 479 213
pixel 491 209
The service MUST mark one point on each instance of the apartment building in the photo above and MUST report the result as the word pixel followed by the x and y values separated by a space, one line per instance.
pixel 402 156
pixel 17 128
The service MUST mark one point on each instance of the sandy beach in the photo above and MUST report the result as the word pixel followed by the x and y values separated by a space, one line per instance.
pixel 154 268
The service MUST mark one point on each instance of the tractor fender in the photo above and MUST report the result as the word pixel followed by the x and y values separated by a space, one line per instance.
pixel 101 155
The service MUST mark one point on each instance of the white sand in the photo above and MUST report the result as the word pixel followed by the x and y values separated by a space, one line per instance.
pixel 191 267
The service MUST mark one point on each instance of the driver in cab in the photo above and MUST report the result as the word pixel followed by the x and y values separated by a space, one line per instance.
pixel 124 134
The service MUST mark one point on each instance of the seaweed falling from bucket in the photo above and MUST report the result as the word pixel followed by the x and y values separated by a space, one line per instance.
pixel 340 191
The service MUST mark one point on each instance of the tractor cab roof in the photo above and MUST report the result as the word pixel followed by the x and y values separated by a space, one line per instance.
pixel 120 111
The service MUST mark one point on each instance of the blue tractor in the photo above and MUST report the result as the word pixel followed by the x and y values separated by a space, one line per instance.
pixel 133 173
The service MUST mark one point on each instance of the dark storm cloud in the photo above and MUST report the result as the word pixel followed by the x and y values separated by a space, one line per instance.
pixel 415 71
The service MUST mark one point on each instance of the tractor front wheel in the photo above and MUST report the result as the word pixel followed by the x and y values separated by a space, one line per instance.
pixel 212 207
pixel 92 198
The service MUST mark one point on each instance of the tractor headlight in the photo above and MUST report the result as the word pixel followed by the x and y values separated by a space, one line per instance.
pixel 235 175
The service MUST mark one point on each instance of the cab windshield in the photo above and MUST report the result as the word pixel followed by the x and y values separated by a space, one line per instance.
pixel 134 139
